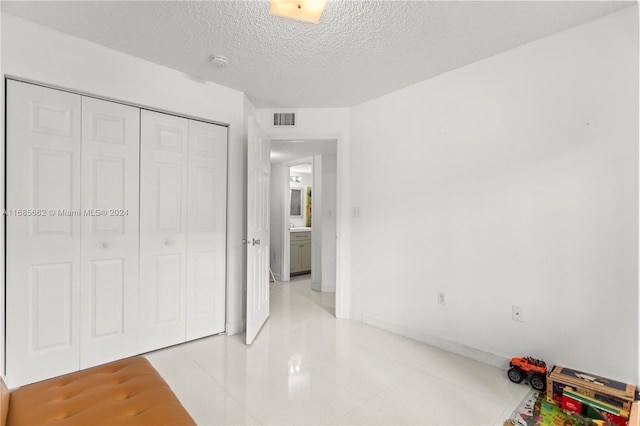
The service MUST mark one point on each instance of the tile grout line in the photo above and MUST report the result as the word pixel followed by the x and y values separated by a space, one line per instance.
pixel 223 387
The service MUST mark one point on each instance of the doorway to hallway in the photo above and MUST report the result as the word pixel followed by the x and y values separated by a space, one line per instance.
pixel 303 200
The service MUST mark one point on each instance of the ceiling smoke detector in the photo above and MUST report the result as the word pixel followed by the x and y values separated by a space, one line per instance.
pixel 219 60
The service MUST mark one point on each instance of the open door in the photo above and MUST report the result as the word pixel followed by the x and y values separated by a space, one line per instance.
pixel 258 173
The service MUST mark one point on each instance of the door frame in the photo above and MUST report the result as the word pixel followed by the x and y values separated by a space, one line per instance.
pixel 285 257
pixel 343 228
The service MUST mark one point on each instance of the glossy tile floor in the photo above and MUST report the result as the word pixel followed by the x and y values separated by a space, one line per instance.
pixel 307 367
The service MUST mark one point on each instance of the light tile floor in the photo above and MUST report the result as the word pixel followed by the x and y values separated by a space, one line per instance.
pixel 307 367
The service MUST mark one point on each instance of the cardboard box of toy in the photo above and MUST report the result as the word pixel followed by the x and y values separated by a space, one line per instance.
pixel 602 389
pixel 592 408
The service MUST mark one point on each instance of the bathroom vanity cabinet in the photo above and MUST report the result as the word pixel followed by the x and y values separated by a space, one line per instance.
pixel 300 257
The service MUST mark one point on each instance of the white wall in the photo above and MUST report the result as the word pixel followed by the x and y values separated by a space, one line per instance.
pixel 276 202
pixel 324 223
pixel 327 213
pixel 317 231
pixel 513 180
pixel 36 53
pixel 320 123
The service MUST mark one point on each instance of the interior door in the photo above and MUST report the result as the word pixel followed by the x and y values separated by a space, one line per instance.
pixel 163 225
pixel 206 230
pixel 109 242
pixel 295 261
pixel 305 255
pixel 42 233
pixel 258 170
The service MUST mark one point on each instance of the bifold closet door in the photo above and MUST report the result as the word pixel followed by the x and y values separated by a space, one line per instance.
pixel 206 229
pixel 110 204
pixel 163 229
pixel 42 236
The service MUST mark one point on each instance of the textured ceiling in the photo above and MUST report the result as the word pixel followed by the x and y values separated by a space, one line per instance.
pixel 359 51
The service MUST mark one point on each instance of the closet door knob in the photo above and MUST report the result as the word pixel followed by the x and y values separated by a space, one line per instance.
pixel 105 244
pixel 168 242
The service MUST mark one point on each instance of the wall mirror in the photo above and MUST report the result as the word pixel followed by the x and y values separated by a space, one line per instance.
pixel 296 202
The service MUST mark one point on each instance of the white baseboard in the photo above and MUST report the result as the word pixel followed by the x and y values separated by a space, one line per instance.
pixel 447 345
pixel 235 328
pixel 356 316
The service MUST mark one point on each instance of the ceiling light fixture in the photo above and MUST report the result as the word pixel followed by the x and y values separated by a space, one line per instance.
pixel 300 10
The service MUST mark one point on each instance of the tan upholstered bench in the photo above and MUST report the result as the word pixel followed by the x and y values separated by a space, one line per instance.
pixel 126 392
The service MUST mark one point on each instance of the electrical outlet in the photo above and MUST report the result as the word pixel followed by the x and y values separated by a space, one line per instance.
pixel 516 313
pixel 442 298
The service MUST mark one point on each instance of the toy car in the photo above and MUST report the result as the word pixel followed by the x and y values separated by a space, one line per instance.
pixel 535 369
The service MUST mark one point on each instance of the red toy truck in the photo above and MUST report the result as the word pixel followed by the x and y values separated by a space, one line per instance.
pixel 535 369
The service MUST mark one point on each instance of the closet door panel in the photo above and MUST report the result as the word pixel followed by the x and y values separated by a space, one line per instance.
pixel 110 204
pixel 206 235
pixel 43 235
pixel 163 219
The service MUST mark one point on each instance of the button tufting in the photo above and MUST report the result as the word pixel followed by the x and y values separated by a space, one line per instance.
pixel 89 395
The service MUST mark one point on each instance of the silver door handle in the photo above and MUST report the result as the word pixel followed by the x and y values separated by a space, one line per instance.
pixel 255 242
pixel 105 244
pixel 168 242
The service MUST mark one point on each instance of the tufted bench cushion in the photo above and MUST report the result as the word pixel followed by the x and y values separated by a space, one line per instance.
pixel 126 392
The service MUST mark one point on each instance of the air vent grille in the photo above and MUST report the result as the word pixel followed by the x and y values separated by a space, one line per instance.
pixel 286 119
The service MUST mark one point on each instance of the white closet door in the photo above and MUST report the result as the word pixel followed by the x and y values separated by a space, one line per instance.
pixel 110 204
pixel 163 219
pixel 43 251
pixel 206 235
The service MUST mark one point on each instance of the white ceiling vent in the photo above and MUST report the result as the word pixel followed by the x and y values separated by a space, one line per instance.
pixel 284 119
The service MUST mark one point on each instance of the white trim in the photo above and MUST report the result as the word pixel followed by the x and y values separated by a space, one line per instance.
pixel 114 100
pixel 355 316
pixel 447 345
